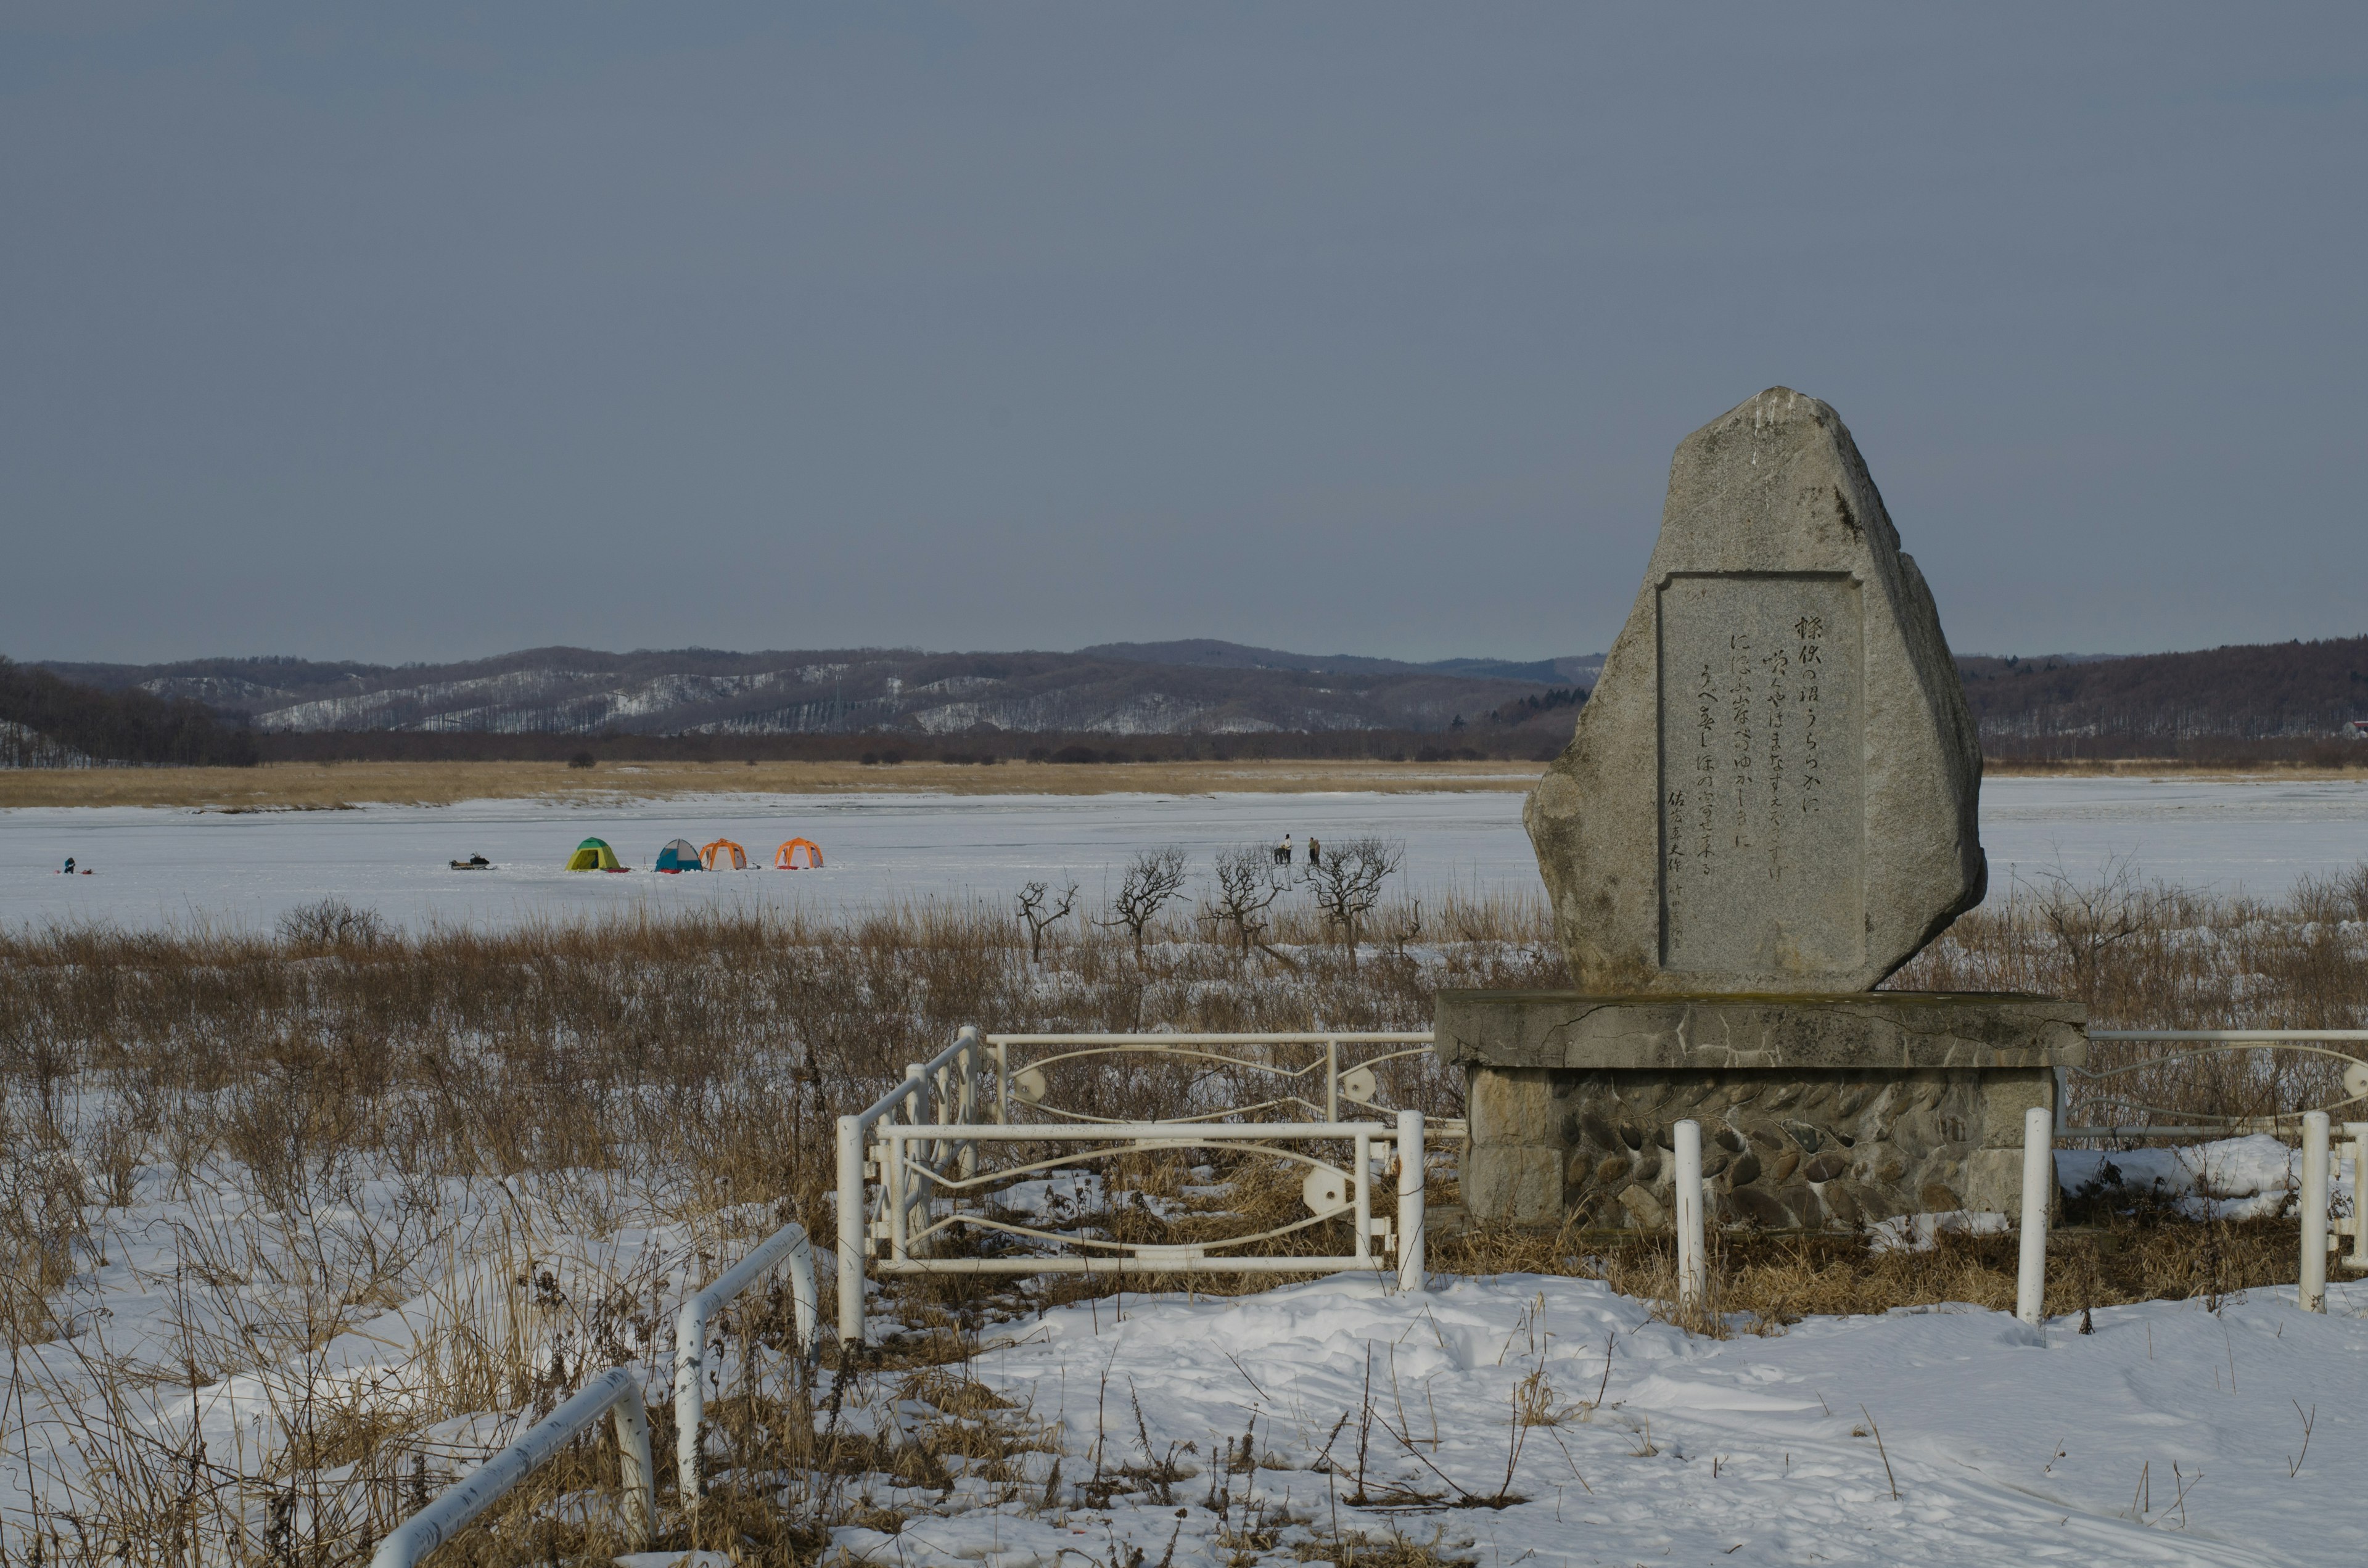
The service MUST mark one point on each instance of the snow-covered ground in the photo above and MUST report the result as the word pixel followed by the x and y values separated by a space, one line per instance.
pixel 1506 1419
pixel 156 866
pixel 2169 1435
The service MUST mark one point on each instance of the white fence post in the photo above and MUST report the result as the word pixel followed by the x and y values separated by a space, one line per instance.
pixel 1690 1215
pixel 2313 1287
pixel 1410 1211
pixel 786 1244
pixel 854 1231
pixel 2356 1225
pixel 2038 1199
pixel 616 1394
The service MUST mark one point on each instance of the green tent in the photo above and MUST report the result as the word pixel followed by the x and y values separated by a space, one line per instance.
pixel 594 855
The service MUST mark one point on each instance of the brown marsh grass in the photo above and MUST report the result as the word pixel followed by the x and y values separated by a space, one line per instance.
pixel 2143 955
pixel 308 786
pixel 304 785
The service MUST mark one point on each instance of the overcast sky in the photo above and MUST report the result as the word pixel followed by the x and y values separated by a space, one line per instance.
pixel 425 333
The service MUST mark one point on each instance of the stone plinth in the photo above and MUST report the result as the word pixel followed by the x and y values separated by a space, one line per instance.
pixel 1817 1111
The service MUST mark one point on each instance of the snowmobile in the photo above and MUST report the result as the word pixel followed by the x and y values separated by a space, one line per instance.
pixel 473 863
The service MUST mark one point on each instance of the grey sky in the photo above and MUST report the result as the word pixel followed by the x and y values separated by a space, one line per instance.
pixel 421 332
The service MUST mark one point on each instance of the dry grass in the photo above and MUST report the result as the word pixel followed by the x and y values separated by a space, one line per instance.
pixel 292 786
pixel 2267 769
pixel 303 786
pixel 2104 1256
pixel 2142 955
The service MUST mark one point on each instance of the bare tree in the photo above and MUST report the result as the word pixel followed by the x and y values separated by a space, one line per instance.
pixel 1153 879
pixel 1347 885
pixel 1249 880
pixel 1038 910
pixel 1405 929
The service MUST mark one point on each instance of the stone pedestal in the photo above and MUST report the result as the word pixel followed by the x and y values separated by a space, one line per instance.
pixel 1817 1111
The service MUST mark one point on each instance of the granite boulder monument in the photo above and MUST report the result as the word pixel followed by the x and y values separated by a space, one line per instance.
pixel 1769 806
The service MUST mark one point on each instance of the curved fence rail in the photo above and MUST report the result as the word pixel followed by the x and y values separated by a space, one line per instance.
pixel 616 1394
pixel 1338 1065
pixel 2099 1089
pixel 785 1248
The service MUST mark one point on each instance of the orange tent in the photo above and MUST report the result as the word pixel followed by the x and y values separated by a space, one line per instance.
pixel 785 858
pixel 723 856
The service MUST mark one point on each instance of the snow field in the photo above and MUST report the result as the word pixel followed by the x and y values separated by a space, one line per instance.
pixel 163 867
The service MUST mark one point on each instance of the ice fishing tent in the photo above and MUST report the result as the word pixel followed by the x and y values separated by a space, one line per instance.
pixel 724 855
pixel 682 855
pixel 594 855
pixel 785 858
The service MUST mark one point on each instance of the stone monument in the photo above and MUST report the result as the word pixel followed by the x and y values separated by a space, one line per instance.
pixel 1769 806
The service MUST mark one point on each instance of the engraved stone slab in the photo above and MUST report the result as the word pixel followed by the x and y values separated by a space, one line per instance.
pixel 1760 814
pixel 1772 788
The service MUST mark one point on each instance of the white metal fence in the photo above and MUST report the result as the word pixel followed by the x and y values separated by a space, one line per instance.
pixel 617 1393
pixel 930 1162
pixel 2096 1087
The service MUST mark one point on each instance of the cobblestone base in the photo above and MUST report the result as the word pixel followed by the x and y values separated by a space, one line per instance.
pixel 1782 1148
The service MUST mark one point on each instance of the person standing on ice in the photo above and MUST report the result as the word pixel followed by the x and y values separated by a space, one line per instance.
pixel 69 865
pixel 1282 851
pixel 1315 849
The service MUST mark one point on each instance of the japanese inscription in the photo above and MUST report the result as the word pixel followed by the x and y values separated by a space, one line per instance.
pixel 1762 833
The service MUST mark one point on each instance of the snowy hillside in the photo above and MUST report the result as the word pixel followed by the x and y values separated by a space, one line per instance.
pixel 1125 689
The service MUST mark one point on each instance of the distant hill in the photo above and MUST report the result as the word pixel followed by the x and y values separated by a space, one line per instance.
pixel 1208 653
pixel 2262 691
pixel 46 721
pixel 1199 687
pixel 2277 695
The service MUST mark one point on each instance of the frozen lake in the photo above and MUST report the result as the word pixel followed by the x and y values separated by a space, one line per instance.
pixel 160 865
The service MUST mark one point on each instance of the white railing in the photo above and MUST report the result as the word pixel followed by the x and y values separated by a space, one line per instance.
pixel 787 1245
pixel 1340 1067
pixel 2209 1042
pixel 616 1394
pixel 943 1092
pixel 921 1147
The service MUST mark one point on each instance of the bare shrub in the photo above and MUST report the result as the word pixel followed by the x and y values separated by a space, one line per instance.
pixel 1154 878
pixel 330 925
pixel 1039 913
pixel 1247 881
pixel 1346 884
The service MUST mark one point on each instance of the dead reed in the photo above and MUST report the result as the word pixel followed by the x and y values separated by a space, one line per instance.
pixel 2143 955
pixel 313 786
